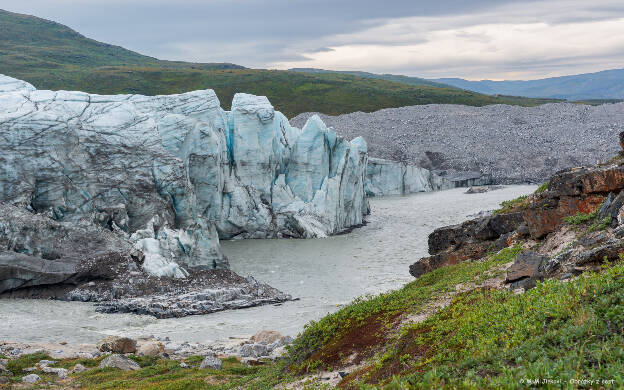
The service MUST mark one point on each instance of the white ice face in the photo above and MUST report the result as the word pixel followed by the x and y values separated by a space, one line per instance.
pixel 178 167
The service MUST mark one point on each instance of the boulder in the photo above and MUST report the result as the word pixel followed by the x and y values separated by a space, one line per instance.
pixel 60 372
pixel 548 211
pixel 4 371
pixel 526 270
pixel 254 350
pixel 266 337
pixel 479 229
pixel 211 362
pixel 587 180
pixel 150 348
pixel 116 344
pixel 78 368
pixel 31 378
pixel 613 208
pixel 120 362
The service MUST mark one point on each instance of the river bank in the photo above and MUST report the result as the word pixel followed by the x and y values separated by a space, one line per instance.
pixel 325 274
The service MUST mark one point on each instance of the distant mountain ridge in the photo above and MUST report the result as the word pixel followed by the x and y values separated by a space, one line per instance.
pixel 41 43
pixel 385 76
pixel 607 84
pixel 52 56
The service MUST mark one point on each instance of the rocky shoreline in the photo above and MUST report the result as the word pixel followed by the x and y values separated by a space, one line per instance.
pixel 118 352
pixel 570 225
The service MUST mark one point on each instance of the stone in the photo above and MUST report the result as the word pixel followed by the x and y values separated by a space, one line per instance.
pixel 78 368
pixel 211 362
pixel 526 270
pixel 4 379
pixel 548 211
pixel 613 208
pixel 31 378
pixel 254 350
pixel 246 350
pixel 150 348
pixel 4 371
pixel 479 229
pixel 45 363
pixel 469 240
pixel 266 337
pixel 116 344
pixel 60 372
pixel 526 265
pixel 183 365
pixel 120 362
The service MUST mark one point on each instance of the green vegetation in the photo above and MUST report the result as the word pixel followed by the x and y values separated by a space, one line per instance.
pixel 167 374
pixel 601 224
pixel 157 373
pixel 542 188
pixel 17 366
pixel 580 218
pixel 368 321
pixel 493 339
pixel 52 56
pixel 517 204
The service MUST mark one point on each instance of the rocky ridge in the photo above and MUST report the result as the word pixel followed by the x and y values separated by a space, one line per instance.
pixel 487 139
pixel 573 225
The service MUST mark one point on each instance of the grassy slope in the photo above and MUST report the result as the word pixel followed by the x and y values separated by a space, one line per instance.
pixel 52 56
pixel 485 338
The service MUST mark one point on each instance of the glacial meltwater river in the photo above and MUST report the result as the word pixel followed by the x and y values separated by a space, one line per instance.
pixel 323 273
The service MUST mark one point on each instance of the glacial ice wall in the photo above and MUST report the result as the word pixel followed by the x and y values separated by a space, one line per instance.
pixel 174 173
pixel 386 177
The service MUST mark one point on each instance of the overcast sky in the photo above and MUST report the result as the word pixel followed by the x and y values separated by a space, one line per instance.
pixel 476 39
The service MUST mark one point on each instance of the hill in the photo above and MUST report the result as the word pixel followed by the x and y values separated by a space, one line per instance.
pixel 386 76
pixel 605 85
pixel 52 56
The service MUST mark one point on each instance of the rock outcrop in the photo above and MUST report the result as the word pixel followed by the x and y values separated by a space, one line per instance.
pixel 469 240
pixel 89 182
pixel 575 225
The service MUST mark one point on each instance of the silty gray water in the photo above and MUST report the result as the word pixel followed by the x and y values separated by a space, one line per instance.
pixel 324 273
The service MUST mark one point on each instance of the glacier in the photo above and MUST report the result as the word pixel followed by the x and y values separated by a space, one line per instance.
pixel 171 175
pixel 387 177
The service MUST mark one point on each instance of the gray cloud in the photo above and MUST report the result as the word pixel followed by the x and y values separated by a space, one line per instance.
pixel 281 33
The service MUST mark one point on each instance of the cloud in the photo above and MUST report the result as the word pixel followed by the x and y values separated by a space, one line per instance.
pixel 444 38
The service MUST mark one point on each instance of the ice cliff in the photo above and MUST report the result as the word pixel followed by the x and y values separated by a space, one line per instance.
pixel 386 177
pixel 172 174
